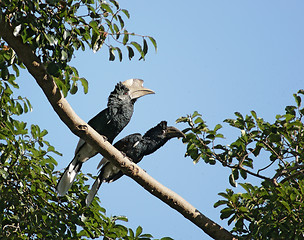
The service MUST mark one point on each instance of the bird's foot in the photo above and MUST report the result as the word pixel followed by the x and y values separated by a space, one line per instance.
pixel 123 154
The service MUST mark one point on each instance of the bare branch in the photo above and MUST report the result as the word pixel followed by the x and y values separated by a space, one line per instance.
pixel 84 131
pixel 264 168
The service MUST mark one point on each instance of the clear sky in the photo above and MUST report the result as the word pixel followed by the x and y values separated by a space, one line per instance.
pixel 216 57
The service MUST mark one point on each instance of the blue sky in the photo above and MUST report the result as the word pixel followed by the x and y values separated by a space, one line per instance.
pixel 214 57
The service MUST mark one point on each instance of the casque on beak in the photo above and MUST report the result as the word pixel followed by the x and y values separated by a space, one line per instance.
pixel 172 132
pixel 136 88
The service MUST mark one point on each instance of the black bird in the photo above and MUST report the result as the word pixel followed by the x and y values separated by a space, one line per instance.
pixel 109 123
pixel 134 146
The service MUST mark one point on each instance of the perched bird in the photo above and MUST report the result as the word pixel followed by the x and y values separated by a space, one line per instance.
pixel 134 146
pixel 109 123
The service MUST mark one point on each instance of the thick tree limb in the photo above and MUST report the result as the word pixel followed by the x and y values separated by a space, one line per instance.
pixel 84 131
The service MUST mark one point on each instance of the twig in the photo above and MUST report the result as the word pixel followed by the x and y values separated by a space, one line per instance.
pixel 262 169
pixel 301 172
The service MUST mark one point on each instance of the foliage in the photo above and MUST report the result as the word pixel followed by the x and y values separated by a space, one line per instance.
pixel 55 29
pixel 273 210
pixel 29 205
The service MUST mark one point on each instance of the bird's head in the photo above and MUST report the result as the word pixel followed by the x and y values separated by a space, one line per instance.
pixel 165 132
pixel 136 88
pixel 129 90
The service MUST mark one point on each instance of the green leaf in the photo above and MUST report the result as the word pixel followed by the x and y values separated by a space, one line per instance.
pixel 107 8
pixel 232 180
pixel 195 114
pixel 122 218
pixel 253 113
pixel 116 4
pixel 297 99
pixel 111 54
pixel 220 202
pixel 11 80
pixel 301 91
pixel 145 236
pixel 231 220
pixel 153 42
pixel 138 231
pixel 53 69
pixel 181 119
pixel 94 26
pixel 247 186
pixel 293 196
pixel 19 108
pixel 16 69
pixel 29 104
pixel 43 133
pixel 138 48
pixel 121 21
pixel 125 38
pixel 85 85
pixel 217 127
pixel 145 47
pixel 119 53
pixel 25 107
pixel 131 233
pixel 74 88
pixel 126 12
pixel 239 115
pixel 226 213
pixel 219 135
pixel 4 73
pixel 243 173
pixel 95 42
pixel 130 52
pixel 275 137
pixel 116 29
pixel 198 120
pixel 290 110
pixel 235 173
pixel 286 205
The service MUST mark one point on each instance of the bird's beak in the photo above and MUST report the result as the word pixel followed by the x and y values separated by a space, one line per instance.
pixel 172 132
pixel 136 88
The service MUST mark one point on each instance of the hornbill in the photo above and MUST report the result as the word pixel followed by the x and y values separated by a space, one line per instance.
pixel 134 146
pixel 109 123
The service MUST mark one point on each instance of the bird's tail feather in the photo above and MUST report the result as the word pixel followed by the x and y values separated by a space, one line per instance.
pixel 93 191
pixel 102 162
pixel 68 177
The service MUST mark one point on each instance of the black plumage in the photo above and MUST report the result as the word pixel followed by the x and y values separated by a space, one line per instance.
pixel 109 123
pixel 134 146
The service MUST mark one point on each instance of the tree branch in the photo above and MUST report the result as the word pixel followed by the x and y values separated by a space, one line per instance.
pixel 84 131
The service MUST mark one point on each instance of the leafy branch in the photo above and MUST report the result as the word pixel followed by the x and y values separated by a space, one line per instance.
pixel 256 135
pixel 56 29
pixel 60 105
pixel 278 202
